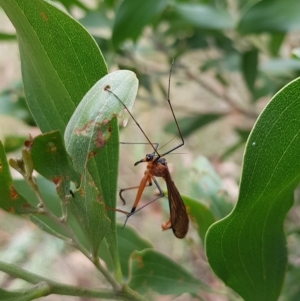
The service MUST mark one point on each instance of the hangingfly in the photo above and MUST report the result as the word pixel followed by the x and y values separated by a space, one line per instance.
pixel 157 167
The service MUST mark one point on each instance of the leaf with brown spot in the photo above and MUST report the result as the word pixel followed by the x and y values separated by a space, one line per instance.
pixel 93 132
pixel 89 127
pixel 11 200
pixel 51 160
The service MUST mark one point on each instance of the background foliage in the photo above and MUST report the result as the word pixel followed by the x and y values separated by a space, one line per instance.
pixel 231 58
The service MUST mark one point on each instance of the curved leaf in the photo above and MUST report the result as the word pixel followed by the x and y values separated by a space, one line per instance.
pixel 60 60
pixel 86 134
pixel 88 130
pixel 275 15
pixel 247 249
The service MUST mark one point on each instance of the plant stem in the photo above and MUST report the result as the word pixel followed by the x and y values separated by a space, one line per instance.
pixel 46 287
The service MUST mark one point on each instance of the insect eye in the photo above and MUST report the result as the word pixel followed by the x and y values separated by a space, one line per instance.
pixel 163 161
pixel 149 157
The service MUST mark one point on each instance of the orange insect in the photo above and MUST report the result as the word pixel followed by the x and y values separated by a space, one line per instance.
pixel 157 167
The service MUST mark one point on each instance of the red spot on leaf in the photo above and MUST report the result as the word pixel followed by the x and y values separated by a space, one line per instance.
pixel 44 16
pixel 13 193
pixel 28 143
pixel 99 140
pixel 56 180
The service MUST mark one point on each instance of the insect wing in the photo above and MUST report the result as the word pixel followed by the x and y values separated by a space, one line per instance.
pixel 178 214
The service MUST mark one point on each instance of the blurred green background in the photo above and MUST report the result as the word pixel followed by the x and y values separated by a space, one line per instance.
pixel 231 57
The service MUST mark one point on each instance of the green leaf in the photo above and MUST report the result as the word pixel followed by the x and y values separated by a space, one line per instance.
pixel 275 43
pixel 68 4
pixel 275 15
pixel 50 159
pixel 249 68
pixel 247 249
pixel 152 271
pixel 11 200
pixel 128 242
pixel 51 199
pixel 281 67
pixel 132 16
pixel 192 123
pixel 88 130
pixel 207 186
pixel 200 215
pixel 60 60
pixel 204 16
pixel 90 213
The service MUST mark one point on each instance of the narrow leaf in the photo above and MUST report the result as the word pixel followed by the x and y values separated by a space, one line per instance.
pixel 249 68
pixel 247 249
pixel 88 131
pixel 60 60
pixel 204 16
pixel 132 16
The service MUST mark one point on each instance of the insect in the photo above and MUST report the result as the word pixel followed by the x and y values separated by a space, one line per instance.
pixel 157 167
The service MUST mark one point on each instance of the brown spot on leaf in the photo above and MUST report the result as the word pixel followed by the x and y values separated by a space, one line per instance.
pixel 84 130
pixel 56 180
pixel 1 166
pixel 13 193
pixel 91 155
pixel 99 142
pixel 28 143
pixel 26 205
pixel 44 16
pixel 11 210
pixel 139 260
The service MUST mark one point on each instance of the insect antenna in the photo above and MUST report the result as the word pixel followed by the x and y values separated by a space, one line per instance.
pixel 107 88
pixel 177 125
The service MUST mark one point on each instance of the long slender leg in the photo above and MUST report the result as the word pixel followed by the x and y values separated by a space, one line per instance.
pixel 161 194
pixel 130 188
